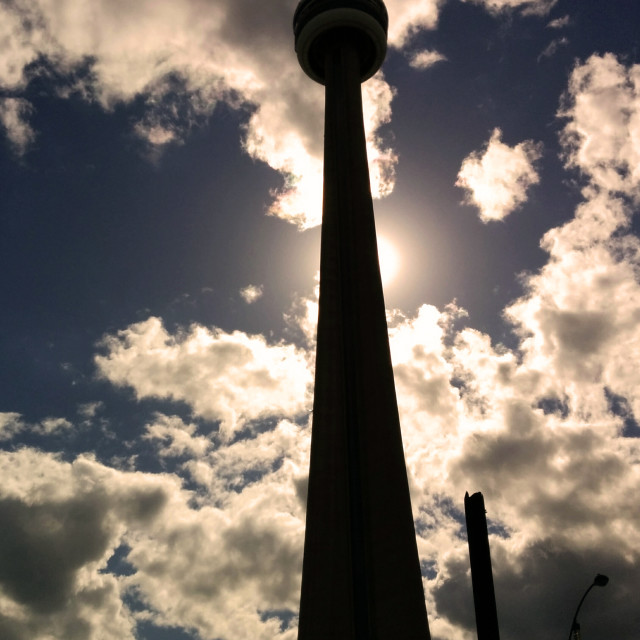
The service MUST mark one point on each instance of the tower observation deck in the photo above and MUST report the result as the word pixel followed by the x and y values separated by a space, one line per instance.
pixel 361 573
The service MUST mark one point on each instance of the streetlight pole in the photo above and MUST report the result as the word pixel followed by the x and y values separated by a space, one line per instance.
pixel 599 581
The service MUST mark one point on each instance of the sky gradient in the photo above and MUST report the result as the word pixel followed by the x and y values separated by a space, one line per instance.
pixel 161 189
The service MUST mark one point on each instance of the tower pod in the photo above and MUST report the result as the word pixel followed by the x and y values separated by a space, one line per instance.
pixel 315 20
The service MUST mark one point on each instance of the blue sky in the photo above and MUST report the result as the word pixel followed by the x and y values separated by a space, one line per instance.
pixel 161 188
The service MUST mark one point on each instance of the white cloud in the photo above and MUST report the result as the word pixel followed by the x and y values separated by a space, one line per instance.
pixel 498 178
pixel 557 483
pixel 218 568
pixel 182 57
pixel 244 464
pixel 579 317
pixel 528 7
pixel 211 570
pixel 602 135
pixel 552 48
pixel 251 293
pixel 407 17
pixel 541 431
pixel 302 318
pixel 533 428
pixel 559 23
pixel 560 483
pixel 425 59
pixel 548 447
pixel 10 424
pixel 426 399
pixel 89 410
pixel 230 377
pixel 62 521
pixel 174 438
pixel 13 117
pixel 376 106
pixel 49 426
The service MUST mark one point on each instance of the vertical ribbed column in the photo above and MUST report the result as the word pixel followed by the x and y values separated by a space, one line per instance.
pixel 361 574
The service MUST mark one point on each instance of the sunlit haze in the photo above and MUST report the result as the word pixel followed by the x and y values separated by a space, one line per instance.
pixel 389 260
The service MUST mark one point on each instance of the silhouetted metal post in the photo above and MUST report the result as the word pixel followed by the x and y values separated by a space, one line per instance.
pixel 484 597
pixel 361 573
pixel 599 581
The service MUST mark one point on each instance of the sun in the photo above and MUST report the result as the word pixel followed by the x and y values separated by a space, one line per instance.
pixel 389 260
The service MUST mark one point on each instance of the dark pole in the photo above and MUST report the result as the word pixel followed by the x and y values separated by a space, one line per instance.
pixel 361 573
pixel 484 597
pixel 599 581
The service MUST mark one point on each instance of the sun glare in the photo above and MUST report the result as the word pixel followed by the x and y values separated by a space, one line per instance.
pixel 389 260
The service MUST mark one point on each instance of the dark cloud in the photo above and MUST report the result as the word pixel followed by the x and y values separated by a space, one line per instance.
pixel 43 546
pixel 142 505
pixel 538 589
pixel 581 333
pixel 452 593
pixel 269 557
pixel 537 595
pixel 11 629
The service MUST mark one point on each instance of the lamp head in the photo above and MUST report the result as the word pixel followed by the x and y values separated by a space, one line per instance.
pixel 314 20
pixel 600 580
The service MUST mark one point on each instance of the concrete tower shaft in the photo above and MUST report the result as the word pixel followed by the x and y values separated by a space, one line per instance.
pixel 361 572
pixel 317 22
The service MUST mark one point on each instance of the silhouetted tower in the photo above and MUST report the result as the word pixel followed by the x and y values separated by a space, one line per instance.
pixel 484 597
pixel 361 572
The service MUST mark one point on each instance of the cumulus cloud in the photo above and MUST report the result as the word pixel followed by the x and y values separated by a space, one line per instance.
pixel 219 569
pixel 406 17
pixel 552 48
pixel 528 7
pixel 53 425
pixel 61 523
pixel 14 113
pixel 427 400
pixel 542 430
pixel 277 457
pixel 302 318
pixel 556 474
pixel 580 314
pixel 534 428
pixel 89 410
pixel 180 58
pixel 174 438
pixel 425 59
pixel 376 106
pixel 215 571
pixel 10 424
pixel 549 447
pixel 498 178
pixel 559 23
pixel 602 134
pixel 251 293
pixel 228 377
pixel 224 566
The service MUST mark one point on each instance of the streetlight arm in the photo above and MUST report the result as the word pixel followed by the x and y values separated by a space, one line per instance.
pixel 575 617
pixel 599 581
